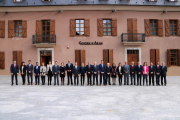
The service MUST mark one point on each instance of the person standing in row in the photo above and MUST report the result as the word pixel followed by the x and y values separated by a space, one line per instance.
pixel 151 73
pixel 62 72
pixel 69 67
pixel 126 73
pixel 120 73
pixel 163 73
pixel 76 72
pixel 56 73
pixel 145 73
pixel 102 69
pixel 113 71
pixel 108 74
pixel 30 72
pixel 36 73
pixel 139 70
pixel 23 72
pixel 49 72
pixel 89 73
pixel 43 73
pixel 14 69
pixel 83 72
pixel 95 73
pixel 132 73
pixel 158 72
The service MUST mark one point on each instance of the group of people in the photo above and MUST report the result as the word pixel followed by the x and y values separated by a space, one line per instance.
pixel 106 73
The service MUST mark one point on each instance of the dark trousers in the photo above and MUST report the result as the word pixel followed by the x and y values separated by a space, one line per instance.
pixel 62 80
pixel 82 79
pixel 138 79
pixel 145 77
pixel 88 79
pixel 108 79
pixel 49 79
pixel 151 76
pixel 31 75
pixel 23 78
pixel 43 80
pixel 37 79
pixel 104 79
pixel 56 77
pixel 157 79
pixel 133 76
pixel 95 76
pixel 126 78
pixel 163 76
pixel 12 78
pixel 69 75
pixel 76 77
pixel 120 79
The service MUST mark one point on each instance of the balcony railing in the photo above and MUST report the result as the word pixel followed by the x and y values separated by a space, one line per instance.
pixel 43 39
pixel 133 37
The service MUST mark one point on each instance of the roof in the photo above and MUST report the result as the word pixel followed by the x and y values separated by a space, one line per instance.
pixel 10 3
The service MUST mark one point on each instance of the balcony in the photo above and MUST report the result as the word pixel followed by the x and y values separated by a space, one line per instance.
pixel 44 40
pixel 133 38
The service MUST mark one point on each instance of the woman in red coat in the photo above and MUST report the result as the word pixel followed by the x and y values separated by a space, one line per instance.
pixel 145 72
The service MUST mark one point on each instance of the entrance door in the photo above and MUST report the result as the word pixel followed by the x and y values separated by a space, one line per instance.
pixel 132 29
pixel 154 56
pixel 80 57
pixel 17 55
pixel 45 57
pixel 108 56
pixel 132 55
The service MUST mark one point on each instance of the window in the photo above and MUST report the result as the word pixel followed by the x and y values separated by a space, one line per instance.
pixel 173 27
pixel 2 60
pixel 107 27
pixel 45 30
pixel 174 57
pixel 18 29
pixel 153 27
pixel 2 28
pixel 172 0
pixel 17 0
pixel 79 27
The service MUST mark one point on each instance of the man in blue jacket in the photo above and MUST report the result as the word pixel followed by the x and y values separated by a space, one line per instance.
pixel 14 72
pixel 30 72
pixel 95 73
pixel 102 69
pixel 36 73
pixel 139 70
pixel 55 70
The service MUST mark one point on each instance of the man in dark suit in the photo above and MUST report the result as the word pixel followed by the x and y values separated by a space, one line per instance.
pixel 89 73
pixel 55 70
pixel 36 73
pixel 76 73
pixel 30 72
pixel 151 73
pixel 163 73
pixel 14 72
pixel 69 67
pixel 102 69
pixel 132 73
pixel 95 73
pixel 139 70
pixel 158 72
pixel 108 73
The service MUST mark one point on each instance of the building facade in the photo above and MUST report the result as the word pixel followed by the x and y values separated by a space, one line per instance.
pixel 90 30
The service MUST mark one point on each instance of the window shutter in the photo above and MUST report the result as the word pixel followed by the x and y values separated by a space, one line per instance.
pixel 72 27
pixel 86 27
pixel 160 27
pixel 152 56
pixel 24 28
pixel 83 57
pixel 38 30
pixel 100 27
pixel 134 28
pixel 178 27
pixel 111 56
pixel 168 58
pixel 167 31
pixel 2 28
pixel 105 56
pixel 147 27
pixel 77 57
pixel 114 27
pixel 52 30
pixel 19 58
pixel 2 60
pixel 157 55
pixel 10 29
pixel 179 57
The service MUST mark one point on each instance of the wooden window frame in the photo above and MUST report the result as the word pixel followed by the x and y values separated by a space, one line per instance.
pixel 153 27
pixel 173 27
pixel 173 0
pixel 107 27
pixel 17 28
pixel 80 27
pixel 174 56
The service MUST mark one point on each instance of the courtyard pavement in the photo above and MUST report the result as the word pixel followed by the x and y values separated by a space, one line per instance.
pixel 89 102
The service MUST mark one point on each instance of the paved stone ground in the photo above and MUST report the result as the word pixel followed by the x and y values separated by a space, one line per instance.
pixel 89 102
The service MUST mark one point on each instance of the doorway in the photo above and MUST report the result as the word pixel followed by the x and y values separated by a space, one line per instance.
pixel 80 57
pixel 132 55
pixel 108 56
pixel 132 29
pixel 45 56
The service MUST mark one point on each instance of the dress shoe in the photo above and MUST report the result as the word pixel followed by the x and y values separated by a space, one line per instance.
pixel 31 84
pixel 35 84
pixel 16 84
pixel 28 84
pixel 12 84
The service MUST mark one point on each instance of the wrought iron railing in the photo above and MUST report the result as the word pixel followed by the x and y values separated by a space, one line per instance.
pixel 133 37
pixel 38 39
